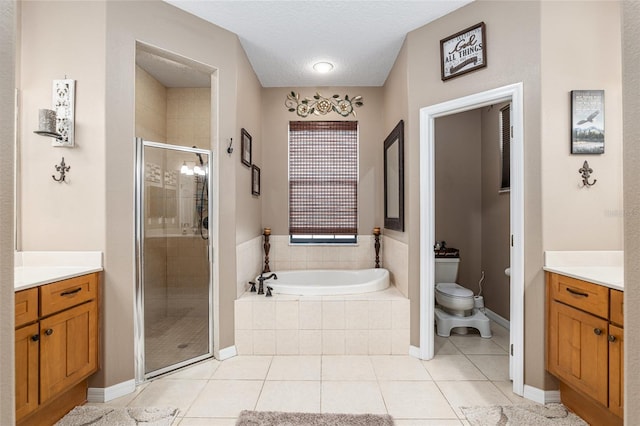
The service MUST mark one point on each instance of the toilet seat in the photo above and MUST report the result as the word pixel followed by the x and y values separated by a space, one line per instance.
pixel 454 297
pixel 454 290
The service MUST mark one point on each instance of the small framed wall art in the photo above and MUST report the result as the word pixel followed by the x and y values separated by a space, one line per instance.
pixel 245 148
pixel 463 52
pixel 587 121
pixel 255 180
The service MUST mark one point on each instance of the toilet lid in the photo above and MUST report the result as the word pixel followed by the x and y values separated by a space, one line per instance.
pixel 453 289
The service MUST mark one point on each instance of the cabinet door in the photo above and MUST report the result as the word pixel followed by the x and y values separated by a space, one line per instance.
pixel 26 370
pixel 68 349
pixel 616 370
pixel 578 350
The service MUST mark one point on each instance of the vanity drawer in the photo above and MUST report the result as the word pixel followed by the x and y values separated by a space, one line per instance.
pixel 580 294
pixel 617 307
pixel 26 307
pixel 65 294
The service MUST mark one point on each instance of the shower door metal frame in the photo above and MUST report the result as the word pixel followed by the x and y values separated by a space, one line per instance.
pixel 140 374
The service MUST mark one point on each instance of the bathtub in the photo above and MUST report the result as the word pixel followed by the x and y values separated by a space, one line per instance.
pixel 329 282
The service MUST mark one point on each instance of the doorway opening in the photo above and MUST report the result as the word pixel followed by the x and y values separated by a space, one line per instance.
pixel 514 95
pixel 175 111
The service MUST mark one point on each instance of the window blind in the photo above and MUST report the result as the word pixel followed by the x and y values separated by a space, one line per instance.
pixel 323 177
pixel 505 146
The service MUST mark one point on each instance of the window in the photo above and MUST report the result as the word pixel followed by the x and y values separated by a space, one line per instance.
pixel 505 147
pixel 323 181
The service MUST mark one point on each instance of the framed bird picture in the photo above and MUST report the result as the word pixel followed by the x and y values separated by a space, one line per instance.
pixel 587 121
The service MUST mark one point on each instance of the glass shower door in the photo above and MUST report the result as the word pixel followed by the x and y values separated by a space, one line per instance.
pixel 174 267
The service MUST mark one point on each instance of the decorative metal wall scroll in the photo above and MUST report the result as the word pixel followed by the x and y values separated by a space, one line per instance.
pixel 319 105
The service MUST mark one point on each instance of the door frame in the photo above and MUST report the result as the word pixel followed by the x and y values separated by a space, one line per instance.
pixel 139 343
pixel 512 93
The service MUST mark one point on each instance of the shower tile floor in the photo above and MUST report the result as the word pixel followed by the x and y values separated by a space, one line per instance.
pixel 466 371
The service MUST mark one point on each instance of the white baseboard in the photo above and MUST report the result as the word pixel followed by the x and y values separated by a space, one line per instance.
pixel 541 396
pixel 227 353
pixel 111 392
pixel 497 318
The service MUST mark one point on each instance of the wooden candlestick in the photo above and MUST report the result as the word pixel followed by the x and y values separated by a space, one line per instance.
pixel 376 236
pixel 267 247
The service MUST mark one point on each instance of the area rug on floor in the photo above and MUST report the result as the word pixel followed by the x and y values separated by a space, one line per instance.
pixel 529 414
pixel 272 418
pixel 86 415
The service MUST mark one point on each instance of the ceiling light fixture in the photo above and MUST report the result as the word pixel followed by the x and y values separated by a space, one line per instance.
pixel 323 67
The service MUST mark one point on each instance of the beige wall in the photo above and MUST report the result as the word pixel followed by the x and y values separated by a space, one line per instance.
pixel 458 184
pixel 63 216
pixel 159 24
pixel 189 116
pixel 396 109
pixel 580 218
pixel 495 218
pixel 95 211
pixel 8 34
pixel 275 122
pixel 248 209
pixel 513 40
pixel 631 99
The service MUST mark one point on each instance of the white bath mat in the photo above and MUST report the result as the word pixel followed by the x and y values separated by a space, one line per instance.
pixel 88 415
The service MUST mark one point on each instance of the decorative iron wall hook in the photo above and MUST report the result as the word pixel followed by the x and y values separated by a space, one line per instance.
pixel 585 172
pixel 230 148
pixel 62 169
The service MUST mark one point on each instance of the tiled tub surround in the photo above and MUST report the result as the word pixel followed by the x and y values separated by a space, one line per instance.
pixel 360 324
pixel 284 256
pixel 396 261
pixel 249 262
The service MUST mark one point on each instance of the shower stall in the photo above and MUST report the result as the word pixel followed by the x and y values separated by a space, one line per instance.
pixel 173 248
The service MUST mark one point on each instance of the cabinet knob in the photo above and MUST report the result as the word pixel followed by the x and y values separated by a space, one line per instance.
pixel 48 331
pixel 597 331
pixel 35 337
pixel 612 338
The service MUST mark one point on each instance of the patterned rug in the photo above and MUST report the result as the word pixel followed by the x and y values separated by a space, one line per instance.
pixel 86 415
pixel 273 418
pixel 528 414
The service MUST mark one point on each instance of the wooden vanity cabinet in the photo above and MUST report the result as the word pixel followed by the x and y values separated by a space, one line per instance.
pixel 57 349
pixel 585 347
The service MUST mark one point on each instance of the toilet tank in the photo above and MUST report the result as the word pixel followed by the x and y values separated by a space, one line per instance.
pixel 446 270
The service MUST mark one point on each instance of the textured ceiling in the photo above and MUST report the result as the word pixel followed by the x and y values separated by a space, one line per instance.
pixel 283 39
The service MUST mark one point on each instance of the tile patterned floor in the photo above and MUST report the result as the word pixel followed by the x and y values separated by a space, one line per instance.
pixel 466 371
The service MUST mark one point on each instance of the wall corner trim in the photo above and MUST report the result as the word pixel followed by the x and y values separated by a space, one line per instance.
pixel 414 351
pixel 541 396
pixel 227 353
pixel 112 392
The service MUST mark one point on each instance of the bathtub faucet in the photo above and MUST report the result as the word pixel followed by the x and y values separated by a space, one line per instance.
pixel 262 279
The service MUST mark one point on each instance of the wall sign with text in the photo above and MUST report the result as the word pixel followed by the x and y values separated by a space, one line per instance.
pixel 463 52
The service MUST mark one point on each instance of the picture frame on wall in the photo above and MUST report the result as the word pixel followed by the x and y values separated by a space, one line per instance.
pixel 463 52
pixel 587 121
pixel 255 180
pixel 245 147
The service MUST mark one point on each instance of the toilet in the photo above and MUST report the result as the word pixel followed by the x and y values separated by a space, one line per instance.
pixel 455 304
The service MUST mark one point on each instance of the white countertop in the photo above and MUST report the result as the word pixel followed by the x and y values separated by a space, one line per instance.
pixel 600 267
pixel 37 268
